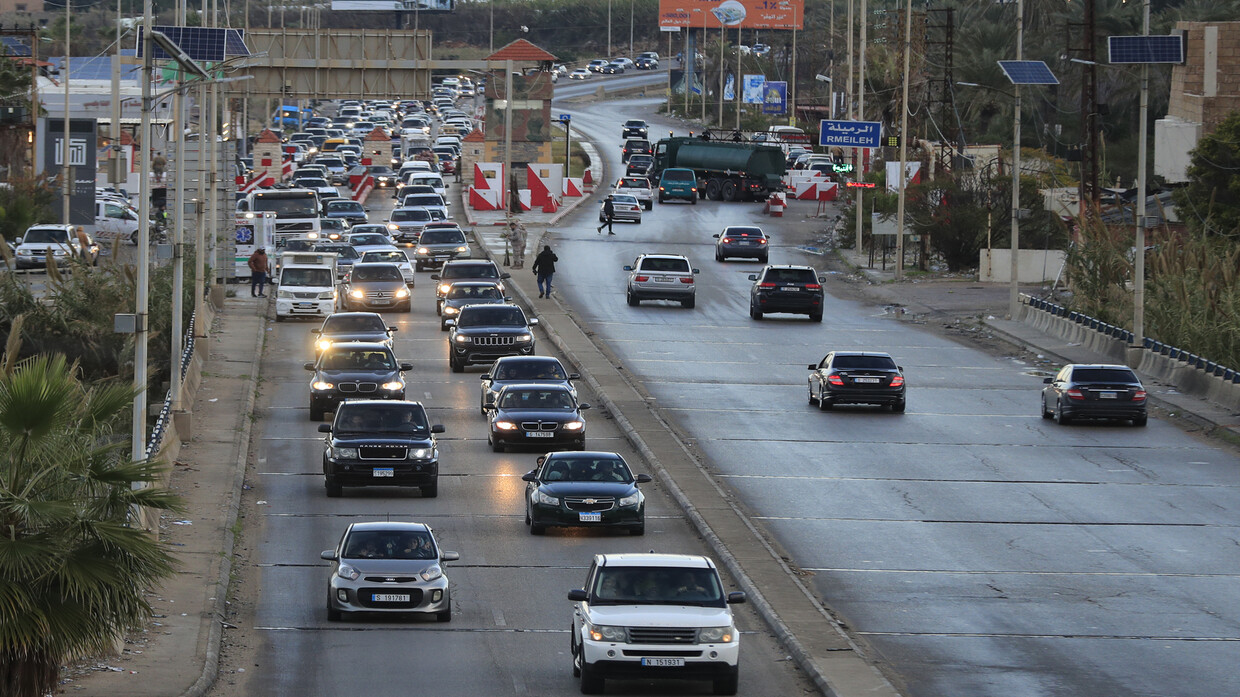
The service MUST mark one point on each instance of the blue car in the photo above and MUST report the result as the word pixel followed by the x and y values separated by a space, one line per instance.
pixel 350 211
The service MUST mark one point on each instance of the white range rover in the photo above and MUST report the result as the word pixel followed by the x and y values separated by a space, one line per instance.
pixel 644 616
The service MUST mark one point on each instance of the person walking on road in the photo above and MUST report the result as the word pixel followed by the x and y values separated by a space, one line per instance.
pixel 544 268
pixel 516 237
pixel 609 215
pixel 158 164
pixel 260 267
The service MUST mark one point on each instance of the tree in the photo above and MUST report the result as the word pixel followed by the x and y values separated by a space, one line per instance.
pixel 73 572
pixel 1210 203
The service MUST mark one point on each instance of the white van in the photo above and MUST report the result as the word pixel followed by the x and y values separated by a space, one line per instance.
pixel 116 220
pixel 306 285
pixel 435 181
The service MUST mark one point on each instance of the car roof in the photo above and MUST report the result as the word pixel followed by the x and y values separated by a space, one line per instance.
pixel 789 266
pixel 662 256
pixel 476 282
pixel 880 354
pixel 535 359
pixel 360 346
pixel 469 262
pixel 597 454
pixel 373 264
pixel 744 228
pixel 477 307
pixel 356 314
pixel 654 559
pixel 1111 366
pixel 554 386
pixel 388 524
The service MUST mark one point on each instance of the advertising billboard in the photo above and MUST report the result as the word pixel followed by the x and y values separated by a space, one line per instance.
pixel 775 97
pixel 394 5
pixel 746 14
pixel 83 145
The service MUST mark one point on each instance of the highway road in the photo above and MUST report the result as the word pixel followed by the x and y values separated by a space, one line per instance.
pixel 975 548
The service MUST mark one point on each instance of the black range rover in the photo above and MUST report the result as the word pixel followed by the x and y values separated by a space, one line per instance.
pixel 379 442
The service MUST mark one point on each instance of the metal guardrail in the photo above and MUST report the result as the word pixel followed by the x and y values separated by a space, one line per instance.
pixel 160 429
pixel 1172 352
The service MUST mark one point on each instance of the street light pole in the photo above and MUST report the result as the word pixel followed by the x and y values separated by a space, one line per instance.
pixel 142 300
pixel 66 168
pixel 1014 290
pixel 908 39
pixel 860 173
pixel 1138 280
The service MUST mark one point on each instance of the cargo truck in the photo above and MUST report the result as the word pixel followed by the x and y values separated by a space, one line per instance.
pixel 726 170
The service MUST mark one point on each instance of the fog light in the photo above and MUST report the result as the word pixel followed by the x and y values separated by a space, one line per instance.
pixel 342 595
pixel 436 596
pixel 611 653
pixel 714 654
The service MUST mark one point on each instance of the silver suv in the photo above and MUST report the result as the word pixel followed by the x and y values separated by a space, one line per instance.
pixel 661 277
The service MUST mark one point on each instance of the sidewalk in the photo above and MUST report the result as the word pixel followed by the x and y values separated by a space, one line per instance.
pixel 179 652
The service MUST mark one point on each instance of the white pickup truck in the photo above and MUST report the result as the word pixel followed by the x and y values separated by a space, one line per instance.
pixel 653 616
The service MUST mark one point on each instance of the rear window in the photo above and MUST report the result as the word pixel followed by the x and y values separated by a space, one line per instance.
pixel 668 265
pixel 679 175
pixel 863 363
pixel 635 183
pixel 1103 375
pixel 743 232
pixel 791 276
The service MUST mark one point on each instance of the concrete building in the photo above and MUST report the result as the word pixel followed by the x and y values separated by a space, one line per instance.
pixel 1204 90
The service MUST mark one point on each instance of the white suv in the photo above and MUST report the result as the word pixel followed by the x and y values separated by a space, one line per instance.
pixel 645 616
pixel 661 277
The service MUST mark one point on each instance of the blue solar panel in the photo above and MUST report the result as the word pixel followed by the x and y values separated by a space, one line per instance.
pixel 1146 49
pixel 1028 73
pixel 199 43
pixel 99 68
pixel 234 43
pixel 13 46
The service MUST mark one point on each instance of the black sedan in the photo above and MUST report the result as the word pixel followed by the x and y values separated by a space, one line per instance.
pixel 350 371
pixel 586 489
pixel 857 377
pixel 1094 391
pixel 509 370
pixel 541 415
pixel 352 327
pixel 742 241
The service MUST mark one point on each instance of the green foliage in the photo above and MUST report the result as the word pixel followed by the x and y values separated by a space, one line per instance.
pixel 73 571
pixel 23 203
pixel 1210 203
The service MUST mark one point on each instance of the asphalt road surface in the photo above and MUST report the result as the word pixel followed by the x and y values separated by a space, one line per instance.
pixel 977 549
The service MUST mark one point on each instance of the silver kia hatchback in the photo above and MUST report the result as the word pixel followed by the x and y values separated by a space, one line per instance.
pixel 388 567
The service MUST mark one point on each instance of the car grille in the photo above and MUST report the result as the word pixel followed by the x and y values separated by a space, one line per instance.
pixel 357 386
pixel 662 635
pixel 391 579
pixel 539 425
pixel 415 597
pixel 382 452
pixel 671 654
pixel 494 341
pixel 379 294
pixel 294 227
pixel 305 296
pixel 589 504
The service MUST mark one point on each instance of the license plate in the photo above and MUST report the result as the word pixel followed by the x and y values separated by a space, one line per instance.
pixel 384 472
pixel 389 597
pixel 590 517
pixel 380 302
pixel 791 289
pixel 539 434
pixel 663 662
pixel 1107 395
pixel 304 306
pixel 662 279
pixel 870 381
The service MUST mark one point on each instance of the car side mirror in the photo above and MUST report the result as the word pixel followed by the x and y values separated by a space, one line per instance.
pixel 434 277
pixel 1048 381
pixel 753 276
pixel 316 330
pixel 484 377
pixel 449 323
pixel 716 236
pixel 696 271
pixel 628 268
pixel 328 554
pixel 822 278
pixel 325 428
pixel 308 365
pixel 505 276
pixel 406 366
pixel 736 597
pixel 533 321
pixel 437 428
pixel 393 329
pixel 449 556
pixel 529 476
pixel 17 240
pixel 813 366
pixel 574 376
pixel 578 595
pixel 582 407
pixel 644 479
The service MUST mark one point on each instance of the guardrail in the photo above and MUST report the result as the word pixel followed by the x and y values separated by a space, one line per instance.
pixel 1119 333
pixel 156 439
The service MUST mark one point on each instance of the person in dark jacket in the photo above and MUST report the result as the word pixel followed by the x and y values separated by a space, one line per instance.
pixel 544 268
pixel 609 215
pixel 260 267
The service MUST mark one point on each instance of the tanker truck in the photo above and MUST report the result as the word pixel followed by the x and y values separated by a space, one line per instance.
pixel 727 170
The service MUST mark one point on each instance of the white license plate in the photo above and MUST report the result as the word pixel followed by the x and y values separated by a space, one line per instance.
pixel 381 302
pixel 384 472
pixel 663 279
pixel 305 306
pixel 539 434
pixel 744 243
pixel 791 289
pixel 389 598
pixel 870 381
pixel 663 662
pixel 1107 395
pixel 590 517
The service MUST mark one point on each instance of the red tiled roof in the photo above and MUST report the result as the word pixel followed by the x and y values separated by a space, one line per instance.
pixel 268 137
pixel 475 136
pixel 377 134
pixel 520 50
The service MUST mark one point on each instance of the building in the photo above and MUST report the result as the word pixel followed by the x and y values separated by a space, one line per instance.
pixel 1204 90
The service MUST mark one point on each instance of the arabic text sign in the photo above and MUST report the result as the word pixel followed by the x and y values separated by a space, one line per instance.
pixel 747 14
pixel 752 90
pixel 774 97
pixel 849 134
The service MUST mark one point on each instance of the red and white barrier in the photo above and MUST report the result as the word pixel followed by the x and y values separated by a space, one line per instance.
pixel 587 181
pixel 775 205
pixel 484 199
pixel 544 182
pixel 523 195
pixel 364 189
pixel 572 187
pixel 551 205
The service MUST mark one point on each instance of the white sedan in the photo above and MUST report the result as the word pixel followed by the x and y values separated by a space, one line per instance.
pixel 579 74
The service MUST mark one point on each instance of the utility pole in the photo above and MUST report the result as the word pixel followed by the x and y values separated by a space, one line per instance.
pixel 67 185
pixel 860 172
pixel 1014 289
pixel 178 231
pixel 142 301
pixel 1138 281
pixel 908 40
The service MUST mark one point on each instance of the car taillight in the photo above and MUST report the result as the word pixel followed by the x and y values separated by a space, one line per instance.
pixel 1075 394
pixel 660 188
pixel 897 381
pixel 813 286
pixel 761 241
pixel 766 285
pixel 686 279
pixel 835 380
pixel 727 240
pixel 642 279
pixel 1138 396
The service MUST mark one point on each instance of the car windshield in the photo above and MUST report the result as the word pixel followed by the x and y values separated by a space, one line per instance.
pixel 359 359
pixel 329 162
pixel 394 257
pixel 472 292
pixel 321 278
pixel 341 323
pixel 507 316
pixel 634 124
pixel 863 363
pixel 585 469
pixel 376 272
pixel 423 200
pixel 369 239
pixel 45 236
pixel 1103 375
pixel 312 182
pixel 629 585
pixel 297 245
pixel 342 251
pixel 372 228
pixel 410 215
pixel 469 271
pixel 346 206
pixel 332 224
pixel 555 400
pixel 666 265
pixel 389 544
pixel 530 370
pixel 442 237
pixel 790 276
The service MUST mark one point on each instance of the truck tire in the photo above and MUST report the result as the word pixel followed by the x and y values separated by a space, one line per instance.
pixel 713 189
pixel 693 200
pixel 729 190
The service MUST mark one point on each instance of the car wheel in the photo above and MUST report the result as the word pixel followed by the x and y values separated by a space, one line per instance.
pixel 1140 421
pixel 662 200
pixel 316 412
pixel 1042 407
pixel 497 446
pixel 638 531
pixel 430 492
pixel 810 396
pixel 443 327
pixel 457 367
pixel 537 528
pixel 693 200
pixel 727 685
pixel 728 190
pixel 279 317
pixel 572 651
pixel 898 407
pixel 527 513
pixel 632 299
pixel 591 682
pixel 333 615
pixel 650 205
pixel 334 489
pixel 689 303
pixel 439 307
pixel 824 404
pixel 409 306
pixel 133 238
pixel 418 266
pixel 815 316
pixel 1061 418
pixel 754 312
pixel 763 259
pixel 445 616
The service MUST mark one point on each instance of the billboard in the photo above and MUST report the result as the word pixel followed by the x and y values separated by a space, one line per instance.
pixel 775 97
pixel 394 5
pixel 751 92
pixel 746 14
pixel 83 145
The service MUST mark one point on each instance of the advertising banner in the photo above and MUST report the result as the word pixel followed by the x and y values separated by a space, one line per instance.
pixel 729 88
pixel 394 5
pixel 747 14
pixel 751 93
pixel 83 146
pixel 775 97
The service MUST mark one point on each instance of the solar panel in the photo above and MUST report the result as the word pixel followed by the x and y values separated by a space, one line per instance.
pixel 199 43
pixel 1028 73
pixel 234 43
pixel 1146 49
pixel 13 46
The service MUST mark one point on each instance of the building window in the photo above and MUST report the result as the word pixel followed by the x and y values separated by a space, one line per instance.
pixel 20 7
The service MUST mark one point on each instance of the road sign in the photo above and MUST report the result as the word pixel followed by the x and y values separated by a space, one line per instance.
pixel 849 134
pixel 565 118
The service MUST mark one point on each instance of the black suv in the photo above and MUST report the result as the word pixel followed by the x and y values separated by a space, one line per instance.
pixel 857 377
pixel 483 333
pixel 794 289
pixel 375 442
pixel 465 270
pixel 354 370
pixel 634 128
pixel 1096 391
pixel 634 146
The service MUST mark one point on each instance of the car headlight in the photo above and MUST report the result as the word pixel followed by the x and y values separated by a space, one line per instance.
pixel 421 453
pixel 422 250
pixel 546 500
pixel 348 572
pixel 633 500
pixel 432 572
pixel 402 292
pixel 343 453
pixel 462 339
pixel 443 288
pixel 524 337
pixel 327 294
pixel 574 425
pixel 505 425
pixel 393 226
pixel 711 635
pixel 450 310
pixel 286 294
pixel 357 293
pixel 392 386
pixel 462 249
pixel 321 385
pixel 605 633
pixel 323 344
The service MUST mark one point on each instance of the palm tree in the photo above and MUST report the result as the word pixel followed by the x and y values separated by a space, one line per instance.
pixel 72 569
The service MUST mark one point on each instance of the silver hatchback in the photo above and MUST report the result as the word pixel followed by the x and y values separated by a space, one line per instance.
pixel 388 567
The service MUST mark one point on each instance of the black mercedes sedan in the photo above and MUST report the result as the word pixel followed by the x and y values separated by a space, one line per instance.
pixel 1094 391
pixel 857 377
pixel 584 489
pixel 354 371
pixel 538 415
